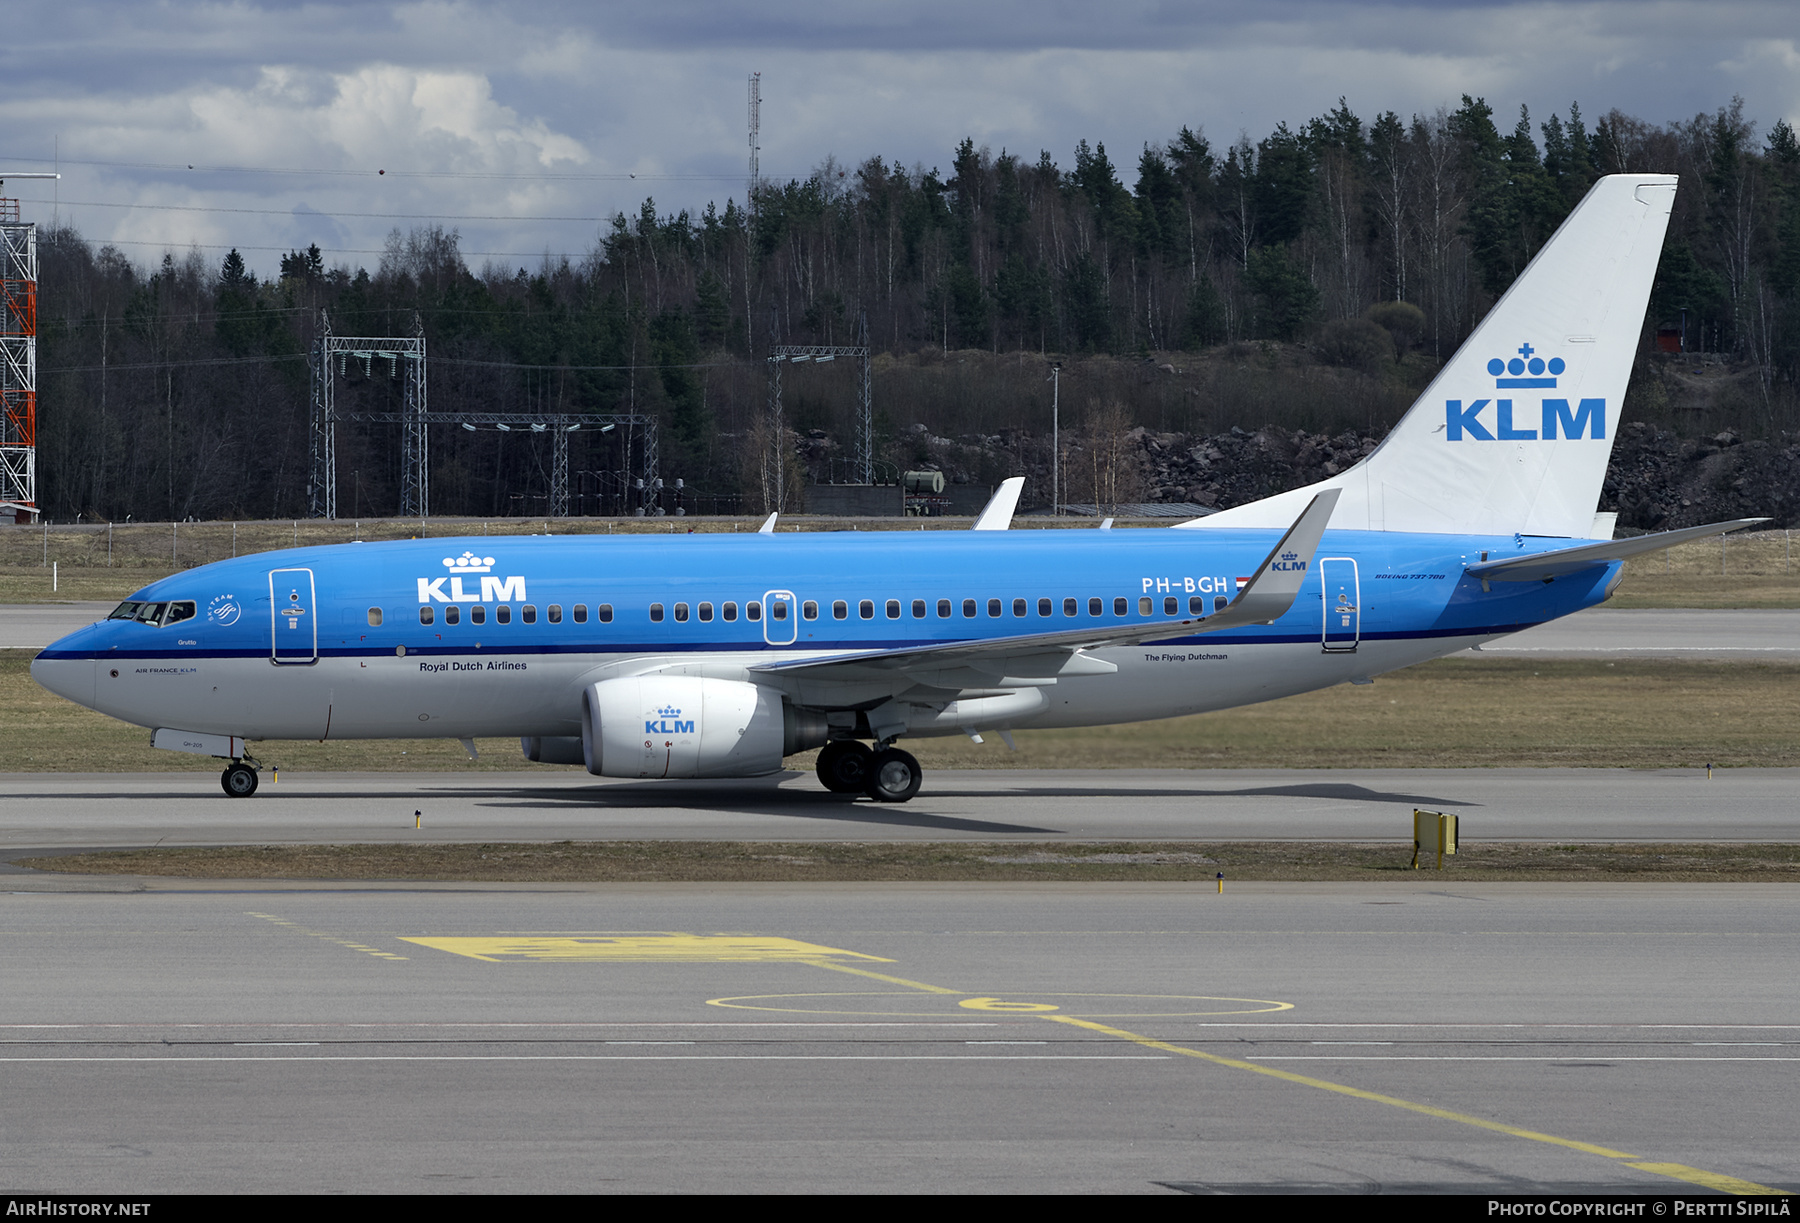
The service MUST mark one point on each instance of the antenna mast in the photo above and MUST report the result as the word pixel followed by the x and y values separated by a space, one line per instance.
pixel 755 131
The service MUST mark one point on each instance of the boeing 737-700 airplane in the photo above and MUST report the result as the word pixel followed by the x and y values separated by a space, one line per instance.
pixel 720 655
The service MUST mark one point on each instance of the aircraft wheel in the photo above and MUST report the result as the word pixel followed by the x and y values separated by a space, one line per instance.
pixel 843 766
pixel 238 780
pixel 894 776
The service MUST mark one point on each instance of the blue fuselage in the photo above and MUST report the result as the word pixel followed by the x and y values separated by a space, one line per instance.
pixel 496 636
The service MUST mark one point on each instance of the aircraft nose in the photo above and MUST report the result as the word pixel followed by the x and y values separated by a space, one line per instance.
pixel 63 669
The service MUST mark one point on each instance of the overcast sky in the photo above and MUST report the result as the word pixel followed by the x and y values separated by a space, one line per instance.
pixel 521 124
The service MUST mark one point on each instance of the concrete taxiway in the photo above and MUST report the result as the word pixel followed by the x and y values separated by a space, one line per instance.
pixel 114 809
pixel 1399 1037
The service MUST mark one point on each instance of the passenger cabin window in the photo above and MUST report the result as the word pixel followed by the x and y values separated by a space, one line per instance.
pixel 1170 605
pixel 1071 607
pixel 1019 608
pixel 968 609
pixel 1095 609
pixel 866 609
pixel 503 613
pixel 918 609
pixel 810 610
pixel 1219 602
pixel 1196 605
pixel 681 613
pixel 478 614
pixel 840 610
pixel 731 611
pixel 554 613
pixel 753 611
pixel 1144 606
pixel 425 615
pixel 1043 607
pixel 893 609
pixel 994 609
pixel 1121 607
pixel 580 611
pixel 528 613
pixel 604 611
pixel 706 613
pixel 452 614
pixel 943 609
pixel 656 613
pixel 779 609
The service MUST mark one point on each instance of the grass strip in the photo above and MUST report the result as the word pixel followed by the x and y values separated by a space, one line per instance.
pixel 970 862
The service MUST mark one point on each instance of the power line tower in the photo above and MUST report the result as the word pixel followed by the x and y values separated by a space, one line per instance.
pixel 18 361
pixel 818 354
pixel 415 476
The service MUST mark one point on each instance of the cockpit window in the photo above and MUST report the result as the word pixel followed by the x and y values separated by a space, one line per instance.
pixel 154 613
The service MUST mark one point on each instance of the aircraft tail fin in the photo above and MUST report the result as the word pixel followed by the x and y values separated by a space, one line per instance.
pixel 1514 433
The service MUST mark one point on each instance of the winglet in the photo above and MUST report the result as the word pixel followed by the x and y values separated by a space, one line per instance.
pixel 997 514
pixel 1276 583
pixel 768 526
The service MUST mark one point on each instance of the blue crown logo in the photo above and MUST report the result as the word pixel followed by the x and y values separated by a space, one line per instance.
pixel 1525 363
pixel 668 711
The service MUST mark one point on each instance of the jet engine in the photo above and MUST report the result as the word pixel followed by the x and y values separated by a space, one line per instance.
pixel 682 726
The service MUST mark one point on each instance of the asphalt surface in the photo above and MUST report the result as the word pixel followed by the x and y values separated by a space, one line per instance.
pixel 1731 635
pixel 45 810
pixel 1413 1036
pixel 1400 1038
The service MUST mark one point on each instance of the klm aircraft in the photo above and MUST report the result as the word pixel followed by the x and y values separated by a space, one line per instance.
pixel 721 655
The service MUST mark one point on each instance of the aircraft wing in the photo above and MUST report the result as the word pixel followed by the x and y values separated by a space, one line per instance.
pixel 1542 566
pixel 1267 597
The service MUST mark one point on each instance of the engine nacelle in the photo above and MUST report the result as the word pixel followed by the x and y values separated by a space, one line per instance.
pixel 683 726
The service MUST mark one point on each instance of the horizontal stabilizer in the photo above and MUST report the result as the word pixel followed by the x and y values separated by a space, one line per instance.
pixel 1543 566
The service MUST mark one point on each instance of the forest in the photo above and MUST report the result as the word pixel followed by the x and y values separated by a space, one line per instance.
pixel 1310 280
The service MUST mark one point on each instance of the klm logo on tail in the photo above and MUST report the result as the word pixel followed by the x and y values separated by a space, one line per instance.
pixel 1527 371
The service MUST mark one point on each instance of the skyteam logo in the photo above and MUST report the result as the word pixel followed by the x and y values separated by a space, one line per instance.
pixel 493 589
pixel 224 610
pixel 1527 371
pixel 668 721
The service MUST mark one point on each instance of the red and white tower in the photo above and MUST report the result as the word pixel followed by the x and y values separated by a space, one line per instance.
pixel 18 362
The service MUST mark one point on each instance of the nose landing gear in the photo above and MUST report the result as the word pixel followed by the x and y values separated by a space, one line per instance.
pixel 239 779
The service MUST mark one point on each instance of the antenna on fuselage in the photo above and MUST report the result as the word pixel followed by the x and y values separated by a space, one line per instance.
pixel 768 526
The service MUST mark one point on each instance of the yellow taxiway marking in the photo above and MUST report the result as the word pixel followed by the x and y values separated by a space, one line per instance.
pixel 643 949
pixel 1143 1006
pixel 1681 1172
pixel 329 938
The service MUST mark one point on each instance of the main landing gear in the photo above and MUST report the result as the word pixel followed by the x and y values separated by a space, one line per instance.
pixel 239 779
pixel 887 775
